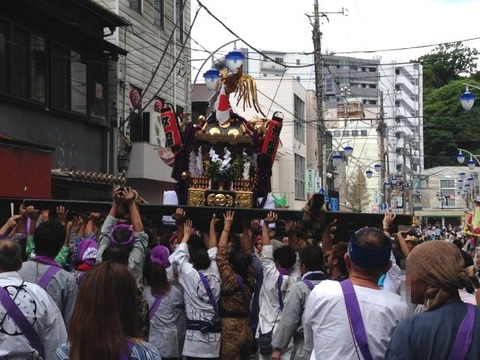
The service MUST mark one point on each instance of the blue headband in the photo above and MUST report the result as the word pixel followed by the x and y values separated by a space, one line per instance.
pixel 368 257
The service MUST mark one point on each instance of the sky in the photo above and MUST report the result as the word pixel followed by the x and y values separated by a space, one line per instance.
pixel 367 25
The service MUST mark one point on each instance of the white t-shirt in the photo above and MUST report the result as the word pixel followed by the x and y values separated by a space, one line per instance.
pixel 327 328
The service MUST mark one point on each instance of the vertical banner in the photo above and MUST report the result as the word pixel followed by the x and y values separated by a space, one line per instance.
pixel 310 181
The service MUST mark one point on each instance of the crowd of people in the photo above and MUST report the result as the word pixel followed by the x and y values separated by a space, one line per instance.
pixel 78 287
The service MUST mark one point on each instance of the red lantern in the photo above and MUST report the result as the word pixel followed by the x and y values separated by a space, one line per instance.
pixel 171 127
pixel 272 135
pixel 157 106
pixel 135 98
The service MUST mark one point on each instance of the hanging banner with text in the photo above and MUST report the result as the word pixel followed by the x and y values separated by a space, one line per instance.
pixel 310 181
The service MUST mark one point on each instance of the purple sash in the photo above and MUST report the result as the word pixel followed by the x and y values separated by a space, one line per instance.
pixel 50 272
pixel 22 322
pixel 279 285
pixel 47 276
pixel 155 305
pixel 213 302
pixel 130 344
pixel 309 284
pixel 464 335
pixel 355 318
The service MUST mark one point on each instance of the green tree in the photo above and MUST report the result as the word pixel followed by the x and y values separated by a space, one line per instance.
pixel 357 195
pixel 447 62
pixel 447 126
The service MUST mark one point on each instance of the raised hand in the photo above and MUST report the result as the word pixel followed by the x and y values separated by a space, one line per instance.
pixel 187 230
pixel 13 221
pixel 62 213
pixel 179 215
pixel 271 218
pixel 129 195
pixel 388 220
pixel 290 225
pixel 228 220
pixel 214 220
pixel 118 195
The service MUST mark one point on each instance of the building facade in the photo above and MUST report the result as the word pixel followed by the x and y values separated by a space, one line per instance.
pixel 155 73
pixel 54 66
pixel 444 196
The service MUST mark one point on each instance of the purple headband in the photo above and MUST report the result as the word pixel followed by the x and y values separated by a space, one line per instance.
pixel 160 256
pixel 130 240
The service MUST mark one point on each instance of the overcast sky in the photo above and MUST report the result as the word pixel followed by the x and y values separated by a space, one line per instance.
pixel 369 25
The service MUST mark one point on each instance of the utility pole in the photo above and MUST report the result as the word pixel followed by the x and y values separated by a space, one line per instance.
pixel 381 133
pixel 317 51
pixel 318 60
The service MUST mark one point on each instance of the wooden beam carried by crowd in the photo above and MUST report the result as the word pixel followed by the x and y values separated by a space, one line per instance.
pixel 347 222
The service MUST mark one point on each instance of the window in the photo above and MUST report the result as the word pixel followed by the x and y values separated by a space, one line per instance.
pixel 299 120
pixel 60 64
pixel 337 133
pixel 3 56
pixel 279 60
pixel 354 132
pixel 78 77
pixel 372 69
pixel 135 5
pixel 346 133
pixel 99 90
pixel 19 62
pixel 364 132
pixel 329 84
pixel 159 13
pixel 298 61
pixel 299 177
pixel 38 69
pixel 179 20
pixel 447 193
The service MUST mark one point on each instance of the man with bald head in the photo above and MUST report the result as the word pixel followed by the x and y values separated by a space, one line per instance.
pixel 31 325
pixel 354 319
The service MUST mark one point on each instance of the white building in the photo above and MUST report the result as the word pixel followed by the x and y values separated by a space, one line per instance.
pixel 157 66
pixel 442 194
pixel 402 91
pixel 288 96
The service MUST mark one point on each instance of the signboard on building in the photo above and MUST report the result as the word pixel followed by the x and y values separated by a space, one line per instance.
pixel 310 181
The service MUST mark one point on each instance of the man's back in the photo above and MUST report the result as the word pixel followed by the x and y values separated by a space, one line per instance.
pixel 326 324
pixel 40 310
pixel 62 287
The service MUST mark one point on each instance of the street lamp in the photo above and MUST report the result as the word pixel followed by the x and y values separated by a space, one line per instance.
pixel 337 158
pixel 461 158
pixel 369 173
pixel 467 99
